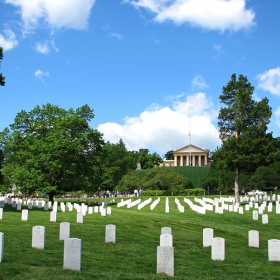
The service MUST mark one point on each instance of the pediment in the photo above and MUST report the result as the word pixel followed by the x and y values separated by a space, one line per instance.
pixel 190 149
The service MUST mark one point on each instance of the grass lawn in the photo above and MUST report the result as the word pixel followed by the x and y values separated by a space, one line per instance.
pixel 133 256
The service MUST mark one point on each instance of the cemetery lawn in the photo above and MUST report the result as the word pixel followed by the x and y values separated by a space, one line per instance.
pixel 133 256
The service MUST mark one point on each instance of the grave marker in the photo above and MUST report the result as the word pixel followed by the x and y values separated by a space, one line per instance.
pixel 64 230
pixel 166 230
pixel 208 234
pixel 72 258
pixel 165 260
pixel 110 234
pixel 253 238
pixel 274 250
pixel 38 237
pixel 24 215
pixel 166 240
pixel 1 246
pixel 218 249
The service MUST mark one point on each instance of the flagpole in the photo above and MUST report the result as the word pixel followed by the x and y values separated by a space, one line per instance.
pixel 190 163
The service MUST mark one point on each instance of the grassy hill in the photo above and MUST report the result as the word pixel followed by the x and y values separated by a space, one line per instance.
pixel 195 174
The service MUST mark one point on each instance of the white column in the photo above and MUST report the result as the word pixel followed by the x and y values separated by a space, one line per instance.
pixel 199 161
pixel 181 160
pixel 188 161
pixel 205 160
pixel 175 161
pixel 193 160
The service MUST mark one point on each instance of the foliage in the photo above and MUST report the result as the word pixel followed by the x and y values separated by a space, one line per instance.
pixel 169 155
pixel 264 178
pixel 148 160
pixel 153 193
pixel 2 78
pixel 117 162
pixel 164 178
pixel 130 182
pixel 52 150
pixel 243 130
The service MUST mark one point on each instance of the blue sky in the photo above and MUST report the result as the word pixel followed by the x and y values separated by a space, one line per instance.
pixel 152 70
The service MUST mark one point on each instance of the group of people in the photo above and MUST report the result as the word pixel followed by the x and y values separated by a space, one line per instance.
pixel 137 192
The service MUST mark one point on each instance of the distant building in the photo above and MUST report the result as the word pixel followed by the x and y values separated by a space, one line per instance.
pixel 188 156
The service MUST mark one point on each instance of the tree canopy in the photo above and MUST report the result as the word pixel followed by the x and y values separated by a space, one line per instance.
pixel 2 78
pixel 52 150
pixel 243 122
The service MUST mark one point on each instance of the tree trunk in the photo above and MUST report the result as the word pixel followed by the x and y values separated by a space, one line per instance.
pixel 51 197
pixel 236 185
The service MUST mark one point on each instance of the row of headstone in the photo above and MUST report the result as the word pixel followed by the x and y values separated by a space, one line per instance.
pixel 155 203
pixel 144 203
pixel 167 205
pixel 181 208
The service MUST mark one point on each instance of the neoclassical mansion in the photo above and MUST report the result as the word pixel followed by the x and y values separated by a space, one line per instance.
pixel 188 156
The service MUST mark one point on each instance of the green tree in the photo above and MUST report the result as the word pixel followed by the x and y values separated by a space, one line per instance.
pixel 243 130
pixel 147 160
pixel 264 178
pixel 130 182
pixel 169 155
pixel 117 161
pixel 2 78
pixel 52 150
pixel 165 178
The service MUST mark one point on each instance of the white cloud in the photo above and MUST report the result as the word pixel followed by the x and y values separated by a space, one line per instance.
pixel 277 116
pixel 117 35
pixel 40 74
pixel 8 41
pixel 162 129
pixel 210 14
pixel 270 81
pixel 57 14
pixel 44 48
pixel 198 83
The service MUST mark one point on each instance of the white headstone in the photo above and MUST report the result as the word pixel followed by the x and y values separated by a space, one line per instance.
pixel 165 260
pixel 38 237
pixel 53 216
pixel 265 219
pixel 255 215
pixel 90 210
pixel 24 215
pixel 19 206
pixel 166 230
pixel 110 234
pixel 95 209
pixel 30 205
pixel 109 211
pixel 72 258
pixel 208 234
pixel 1 213
pixel 218 249
pixel 2 204
pixel 80 217
pixel 274 250
pixel 64 231
pixel 166 240
pixel 1 246
pixel 46 207
pixel 103 212
pixel 253 238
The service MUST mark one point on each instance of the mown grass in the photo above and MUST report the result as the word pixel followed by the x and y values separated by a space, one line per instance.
pixel 133 256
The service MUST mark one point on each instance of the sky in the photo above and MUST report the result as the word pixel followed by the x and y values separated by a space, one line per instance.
pixel 152 70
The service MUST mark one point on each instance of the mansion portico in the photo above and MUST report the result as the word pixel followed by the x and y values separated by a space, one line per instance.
pixel 188 156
